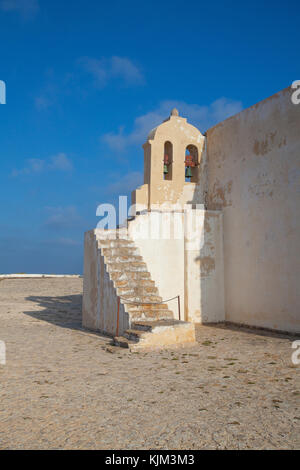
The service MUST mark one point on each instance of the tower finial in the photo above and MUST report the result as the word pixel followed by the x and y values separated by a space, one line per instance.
pixel 174 112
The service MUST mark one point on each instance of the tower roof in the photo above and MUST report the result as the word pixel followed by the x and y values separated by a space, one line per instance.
pixel 174 126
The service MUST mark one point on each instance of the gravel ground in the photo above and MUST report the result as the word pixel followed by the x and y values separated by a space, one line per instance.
pixel 66 388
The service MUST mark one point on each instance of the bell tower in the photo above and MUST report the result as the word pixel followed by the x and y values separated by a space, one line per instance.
pixel 173 167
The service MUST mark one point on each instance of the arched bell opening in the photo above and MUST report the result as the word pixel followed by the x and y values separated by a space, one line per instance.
pixel 168 161
pixel 191 164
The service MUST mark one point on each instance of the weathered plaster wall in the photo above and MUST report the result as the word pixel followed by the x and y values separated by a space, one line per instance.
pixel 253 177
pixel 139 198
pixel 99 311
pixel 164 257
pixel 190 266
pixel 90 282
pixel 204 270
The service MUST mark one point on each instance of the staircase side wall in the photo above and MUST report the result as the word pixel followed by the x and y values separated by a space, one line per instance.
pixel 100 302
pixel 90 282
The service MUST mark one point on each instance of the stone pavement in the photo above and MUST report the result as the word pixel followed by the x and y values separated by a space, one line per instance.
pixel 65 388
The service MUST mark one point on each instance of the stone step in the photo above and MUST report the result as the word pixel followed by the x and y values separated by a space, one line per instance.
pixel 129 276
pixel 149 325
pixel 142 325
pixel 116 243
pixel 163 334
pixel 137 266
pixel 152 335
pixel 149 306
pixel 106 236
pixel 122 233
pixel 122 259
pixel 122 342
pixel 120 251
pixel 136 290
pixel 141 299
pixel 133 335
pixel 151 315
pixel 131 283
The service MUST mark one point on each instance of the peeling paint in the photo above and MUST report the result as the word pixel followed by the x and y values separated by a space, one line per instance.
pixel 207 227
pixel 207 265
pixel 265 146
pixel 220 196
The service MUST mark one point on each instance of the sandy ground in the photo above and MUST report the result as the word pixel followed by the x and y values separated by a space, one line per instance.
pixel 62 389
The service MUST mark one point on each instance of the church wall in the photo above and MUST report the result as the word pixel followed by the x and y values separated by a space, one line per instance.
pixel 139 198
pixel 182 262
pixel 164 257
pixel 253 177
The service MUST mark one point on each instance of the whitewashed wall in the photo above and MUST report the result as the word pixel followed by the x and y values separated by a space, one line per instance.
pixel 99 310
pixel 191 268
pixel 254 178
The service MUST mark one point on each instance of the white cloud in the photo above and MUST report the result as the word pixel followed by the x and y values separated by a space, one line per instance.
pixel 61 218
pixel 50 91
pixel 125 69
pixel 223 108
pixel 59 162
pixel 105 69
pixel 34 165
pixel 68 242
pixel 202 117
pixel 43 102
pixel 120 183
pixel 100 71
pixel 97 68
pixel 125 183
pixel 26 8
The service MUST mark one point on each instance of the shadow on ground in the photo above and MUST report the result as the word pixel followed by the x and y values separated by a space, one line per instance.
pixel 251 330
pixel 61 311
pixel 66 312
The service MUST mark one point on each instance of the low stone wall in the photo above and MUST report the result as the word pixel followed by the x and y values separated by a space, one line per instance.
pixel 38 276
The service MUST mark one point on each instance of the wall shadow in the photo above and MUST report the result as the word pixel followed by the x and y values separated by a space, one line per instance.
pixel 203 257
pixel 62 311
pixel 253 330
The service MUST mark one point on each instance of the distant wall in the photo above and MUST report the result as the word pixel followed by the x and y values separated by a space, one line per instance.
pixel 253 177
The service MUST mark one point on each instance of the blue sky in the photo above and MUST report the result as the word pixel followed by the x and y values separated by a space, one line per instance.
pixel 86 80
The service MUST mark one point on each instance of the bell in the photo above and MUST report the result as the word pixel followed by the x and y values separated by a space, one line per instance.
pixel 188 172
pixel 165 169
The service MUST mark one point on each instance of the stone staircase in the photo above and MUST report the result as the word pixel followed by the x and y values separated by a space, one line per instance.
pixel 151 323
pixel 157 334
